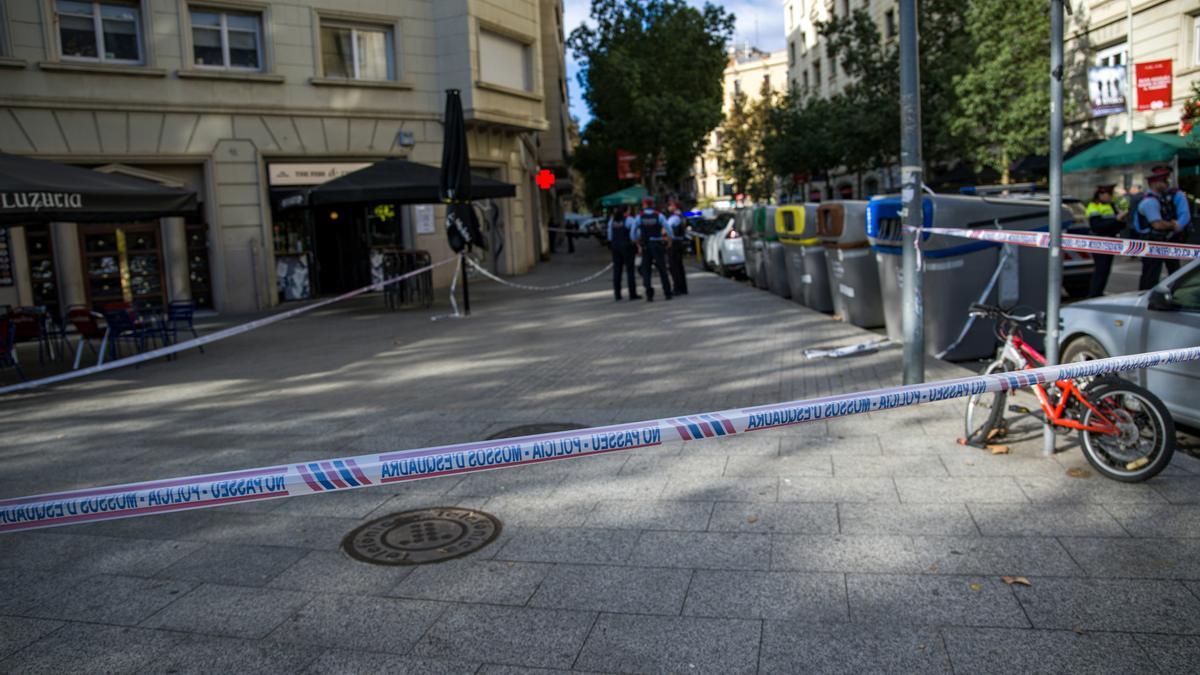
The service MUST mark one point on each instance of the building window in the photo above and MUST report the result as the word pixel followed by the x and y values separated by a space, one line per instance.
pixel 793 85
pixel 791 53
pixel 817 72
pixel 889 23
pixel 3 32
pixel 766 83
pixel 223 39
pixel 737 87
pixel 791 16
pixel 1115 55
pixel 108 32
pixel 356 52
pixel 505 61
pixel 804 77
pixel 1196 40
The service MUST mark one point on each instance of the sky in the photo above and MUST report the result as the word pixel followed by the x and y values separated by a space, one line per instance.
pixel 759 23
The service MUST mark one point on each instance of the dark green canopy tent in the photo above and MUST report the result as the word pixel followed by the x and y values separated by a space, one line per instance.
pixel 1145 148
pixel 630 196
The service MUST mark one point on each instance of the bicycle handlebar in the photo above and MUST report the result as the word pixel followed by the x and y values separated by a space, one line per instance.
pixel 994 312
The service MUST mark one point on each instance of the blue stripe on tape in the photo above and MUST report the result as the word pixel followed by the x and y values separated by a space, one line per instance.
pixel 346 475
pixel 321 477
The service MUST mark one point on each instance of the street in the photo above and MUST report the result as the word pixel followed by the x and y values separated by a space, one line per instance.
pixel 868 543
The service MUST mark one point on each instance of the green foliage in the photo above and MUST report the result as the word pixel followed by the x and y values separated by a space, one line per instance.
pixel 742 153
pixel 651 72
pixel 1005 96
pixel 596 158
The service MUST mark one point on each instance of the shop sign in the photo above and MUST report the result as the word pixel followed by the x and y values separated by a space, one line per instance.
pixel 310 173
pixel 626 162
pixel 1153 85
pixel 1106 90
pixel 6 260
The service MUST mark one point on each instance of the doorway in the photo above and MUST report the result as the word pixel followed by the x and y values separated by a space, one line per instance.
pixel 339 242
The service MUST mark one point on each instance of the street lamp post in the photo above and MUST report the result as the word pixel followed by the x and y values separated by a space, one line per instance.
pixel 913 319
pixel 1054 275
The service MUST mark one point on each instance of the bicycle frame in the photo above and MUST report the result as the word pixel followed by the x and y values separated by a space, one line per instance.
pixel 1025 356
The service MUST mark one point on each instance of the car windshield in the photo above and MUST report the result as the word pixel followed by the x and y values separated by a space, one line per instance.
pixel 1186 291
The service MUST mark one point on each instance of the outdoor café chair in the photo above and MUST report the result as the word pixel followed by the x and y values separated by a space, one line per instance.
pixel 87 324
pixel 8 347
pixel 124 325
pixel 179 315
pixel 31 324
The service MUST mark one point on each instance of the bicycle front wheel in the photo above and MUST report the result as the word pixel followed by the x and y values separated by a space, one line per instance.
pixel 985 412
pixel 1145 437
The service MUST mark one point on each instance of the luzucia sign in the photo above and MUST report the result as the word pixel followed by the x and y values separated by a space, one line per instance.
pixel 36 201
pixel 194 492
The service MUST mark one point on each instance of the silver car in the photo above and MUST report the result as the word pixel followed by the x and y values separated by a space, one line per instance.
pixel 1167 317
pixel 723 251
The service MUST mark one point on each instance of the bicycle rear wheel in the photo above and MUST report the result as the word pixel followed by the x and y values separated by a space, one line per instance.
pixel 1145 440
pixel 985 412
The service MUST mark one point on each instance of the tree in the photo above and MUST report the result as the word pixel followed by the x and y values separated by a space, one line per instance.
pixel 742 153
pixel 1005 95
pixel 802 135
pixel 652 73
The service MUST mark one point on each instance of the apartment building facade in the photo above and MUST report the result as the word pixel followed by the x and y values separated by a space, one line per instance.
pixel 246 101
pixel 749 72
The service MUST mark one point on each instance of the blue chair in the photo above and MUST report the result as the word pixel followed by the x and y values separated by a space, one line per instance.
pixel 180 314
pixel 8 347
pixel 124 325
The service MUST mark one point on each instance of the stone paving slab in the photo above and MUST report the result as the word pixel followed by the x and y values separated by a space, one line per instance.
pixel 868 544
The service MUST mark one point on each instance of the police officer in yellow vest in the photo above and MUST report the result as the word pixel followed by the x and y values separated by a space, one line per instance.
pixel 1104 220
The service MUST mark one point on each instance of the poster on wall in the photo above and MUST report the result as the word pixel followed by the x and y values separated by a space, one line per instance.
pixel 1153 79
pixel 626 165
pixel 6 261
pixel 423 217
pixel 1106 90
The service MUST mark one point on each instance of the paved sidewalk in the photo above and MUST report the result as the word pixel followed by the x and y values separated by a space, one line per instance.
pixel 872 543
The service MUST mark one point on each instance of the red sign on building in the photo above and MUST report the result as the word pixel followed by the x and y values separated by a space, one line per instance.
pixel 1153 84
pixel 545 179
pixel 627 165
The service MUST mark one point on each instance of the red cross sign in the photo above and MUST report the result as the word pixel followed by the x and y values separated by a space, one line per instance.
pixel 545 179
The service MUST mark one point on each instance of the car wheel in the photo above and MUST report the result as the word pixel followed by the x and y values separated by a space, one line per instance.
pixel 1084 348
pixel 721 267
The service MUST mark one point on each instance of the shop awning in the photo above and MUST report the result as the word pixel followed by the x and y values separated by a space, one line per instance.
pixel 632 195
pixel 38 191
pixel 394 181
pixel 1145 148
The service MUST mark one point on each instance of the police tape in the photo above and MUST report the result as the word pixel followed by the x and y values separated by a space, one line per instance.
pixel 529 287
pixel 216 336
pixel 1138 248
pixel 347 473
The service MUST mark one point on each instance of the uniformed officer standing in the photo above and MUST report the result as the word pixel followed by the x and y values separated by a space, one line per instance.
pixel 1162 215
pixel 652 238
pixel 1105 220
pixel 620 240
pixel 679 246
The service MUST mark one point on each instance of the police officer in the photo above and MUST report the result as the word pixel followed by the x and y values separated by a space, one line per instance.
pixel 1162 215
pixel 620 240
pixel 677 227
pixel 1105 220
pixel 652 237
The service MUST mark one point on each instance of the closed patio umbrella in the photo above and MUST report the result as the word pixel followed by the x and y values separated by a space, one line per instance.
pixel 462 227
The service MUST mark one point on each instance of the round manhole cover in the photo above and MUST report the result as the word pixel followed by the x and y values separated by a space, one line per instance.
pixel 424 536
pixel 535 429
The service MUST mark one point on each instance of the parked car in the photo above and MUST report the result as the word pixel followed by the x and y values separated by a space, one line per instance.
pixel 1166 317
pixel 722 244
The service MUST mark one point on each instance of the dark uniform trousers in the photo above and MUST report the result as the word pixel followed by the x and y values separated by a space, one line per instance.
pixel 623 256
pixel 654 252
pixel 678 274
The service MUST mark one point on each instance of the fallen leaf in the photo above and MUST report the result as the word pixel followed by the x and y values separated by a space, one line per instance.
pixel 1079 631
pixel 933 567
pixel 977 587
pixel 510 563
pixel 836 317
pixel 995 433
pixel 998 449
pixel 1076 472
pixel 752 519
pixel 1019 581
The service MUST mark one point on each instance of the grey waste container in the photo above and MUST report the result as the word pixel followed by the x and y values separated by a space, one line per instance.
pixel 776 265
pixel 796 225
pixel 853 273
pixel 959 272
pixel 751 245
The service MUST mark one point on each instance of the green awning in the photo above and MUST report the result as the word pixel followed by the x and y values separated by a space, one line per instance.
pixel 1145 148
pixel 632 195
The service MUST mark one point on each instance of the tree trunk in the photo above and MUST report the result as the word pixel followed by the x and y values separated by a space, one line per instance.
pixel 1005 179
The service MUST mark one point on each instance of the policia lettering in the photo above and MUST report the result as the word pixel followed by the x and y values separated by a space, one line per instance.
pixel 653 237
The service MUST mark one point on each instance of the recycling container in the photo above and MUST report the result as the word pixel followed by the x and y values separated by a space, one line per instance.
pixel 762 236
pixel 776 262
pixel 796 225
pixel 751 244
pixel 958 272
pixel 853 273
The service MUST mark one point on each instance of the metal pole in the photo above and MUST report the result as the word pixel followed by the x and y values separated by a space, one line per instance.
pixel 1054 273
pixel 913 323
pixel 1128 71
pixel 466 288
